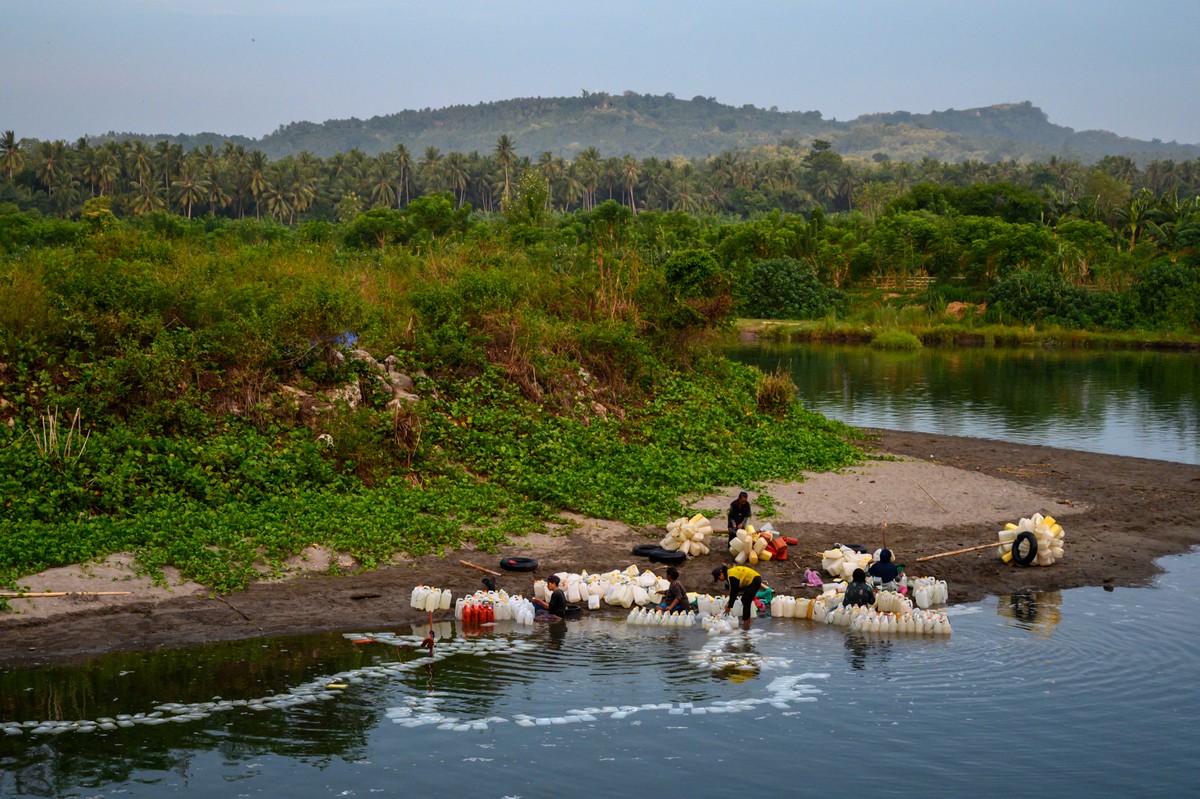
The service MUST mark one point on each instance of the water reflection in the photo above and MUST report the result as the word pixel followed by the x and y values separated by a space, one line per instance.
pixel 862 649
pixel 1144 404
pixel 1039 611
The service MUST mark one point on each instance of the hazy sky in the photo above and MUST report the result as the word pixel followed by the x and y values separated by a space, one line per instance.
pixel 76 67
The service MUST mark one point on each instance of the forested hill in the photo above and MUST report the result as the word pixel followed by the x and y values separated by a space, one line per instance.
pixel 663 126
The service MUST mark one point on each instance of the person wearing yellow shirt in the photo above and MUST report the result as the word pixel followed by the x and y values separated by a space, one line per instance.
pixel 743 581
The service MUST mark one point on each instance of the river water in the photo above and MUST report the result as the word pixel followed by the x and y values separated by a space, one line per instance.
pixel 1142 404
pixel 1080 692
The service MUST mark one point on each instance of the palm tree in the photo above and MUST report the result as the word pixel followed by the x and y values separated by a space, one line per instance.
pixel 506 153
pixel 141 167
pixel 256 164
pixel 457 175
pixel 429 167
pixel 404 166
pixel 51 164
pixel 588 163
pixel 383 179
pixel 148 197
pixel 630 172
pixel 190 187
pixel 12 157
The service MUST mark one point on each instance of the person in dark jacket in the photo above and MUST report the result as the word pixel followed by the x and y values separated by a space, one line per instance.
pixel 739 514
pixel 858 592
pixel 743 581
pixel 883 572
pixel 556 608
pixel 676 597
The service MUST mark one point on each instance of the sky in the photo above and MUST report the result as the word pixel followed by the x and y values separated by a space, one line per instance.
pixel 71 68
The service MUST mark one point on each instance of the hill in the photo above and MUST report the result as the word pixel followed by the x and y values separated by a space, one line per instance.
pixel 663 126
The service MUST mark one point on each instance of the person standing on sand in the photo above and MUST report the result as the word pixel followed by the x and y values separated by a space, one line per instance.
pixel 739 514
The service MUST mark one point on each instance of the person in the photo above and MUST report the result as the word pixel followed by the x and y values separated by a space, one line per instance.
pixel 556 608
pixel 741 580
pixel 739 514
pixel 883 572
pixel 676 597
pixel 858 592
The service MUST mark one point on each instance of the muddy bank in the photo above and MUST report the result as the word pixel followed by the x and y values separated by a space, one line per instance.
pixel 940 493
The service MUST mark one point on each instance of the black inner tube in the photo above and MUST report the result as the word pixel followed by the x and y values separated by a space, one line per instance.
pixel 1027 557
pixel 518 564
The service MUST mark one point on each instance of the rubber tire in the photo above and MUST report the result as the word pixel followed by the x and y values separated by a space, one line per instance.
pixel 667 556
pixel 1029 557
pixel 644 550
pixel 519 564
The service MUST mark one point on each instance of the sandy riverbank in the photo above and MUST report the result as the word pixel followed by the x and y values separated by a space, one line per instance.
pixel 941 493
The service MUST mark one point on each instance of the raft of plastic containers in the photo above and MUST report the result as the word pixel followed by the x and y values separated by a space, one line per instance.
pixel 485 607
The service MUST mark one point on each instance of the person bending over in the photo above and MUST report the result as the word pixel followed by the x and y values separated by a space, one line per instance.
pixel 743 581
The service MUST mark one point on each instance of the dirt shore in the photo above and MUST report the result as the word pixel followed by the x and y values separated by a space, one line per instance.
pixel 939 493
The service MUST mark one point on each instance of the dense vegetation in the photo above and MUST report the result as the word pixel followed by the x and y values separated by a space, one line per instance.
pixel 178 331
pixel 203 358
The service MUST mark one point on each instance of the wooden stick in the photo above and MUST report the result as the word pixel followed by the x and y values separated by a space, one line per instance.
pixel 235 610
pixel 473 566
pixel 959 551
pixel 19 595
pixel 935 502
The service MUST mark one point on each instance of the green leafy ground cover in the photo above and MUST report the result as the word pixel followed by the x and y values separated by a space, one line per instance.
pixel 543 388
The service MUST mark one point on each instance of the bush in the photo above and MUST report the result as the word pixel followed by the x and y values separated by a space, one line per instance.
pixel 785 288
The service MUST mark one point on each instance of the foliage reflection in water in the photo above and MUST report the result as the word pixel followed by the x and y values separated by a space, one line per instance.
pixel 1143 404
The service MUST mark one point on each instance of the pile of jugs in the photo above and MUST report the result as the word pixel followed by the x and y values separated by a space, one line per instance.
pixel 841 561
pixel 892 602
pixel 689 536
pixel 485 607
pixel 657 618
pixel 430 599
pixel 1045 529
pixel 627 588
pixel 709 605
pixel 718 625
pixel 927 591
pixel 869 620
pixel 791 607
pixel 750 545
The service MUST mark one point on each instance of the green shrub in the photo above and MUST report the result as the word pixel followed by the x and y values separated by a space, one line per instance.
pixel 785 288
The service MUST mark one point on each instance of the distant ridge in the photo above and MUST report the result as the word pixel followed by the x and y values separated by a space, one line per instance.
pixel 664 126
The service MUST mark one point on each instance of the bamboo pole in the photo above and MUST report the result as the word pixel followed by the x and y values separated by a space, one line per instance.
pixel 473 566
pixel 959 551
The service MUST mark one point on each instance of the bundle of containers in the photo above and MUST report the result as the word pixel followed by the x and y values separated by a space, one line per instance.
pixel 841 561
pixel 430 599
pixel 709 605
pixel 750 545
pixel 490 606
pixel 1045 529
pixel 915 622
pixel 626 588
pixel 658 618
pixel 689 536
